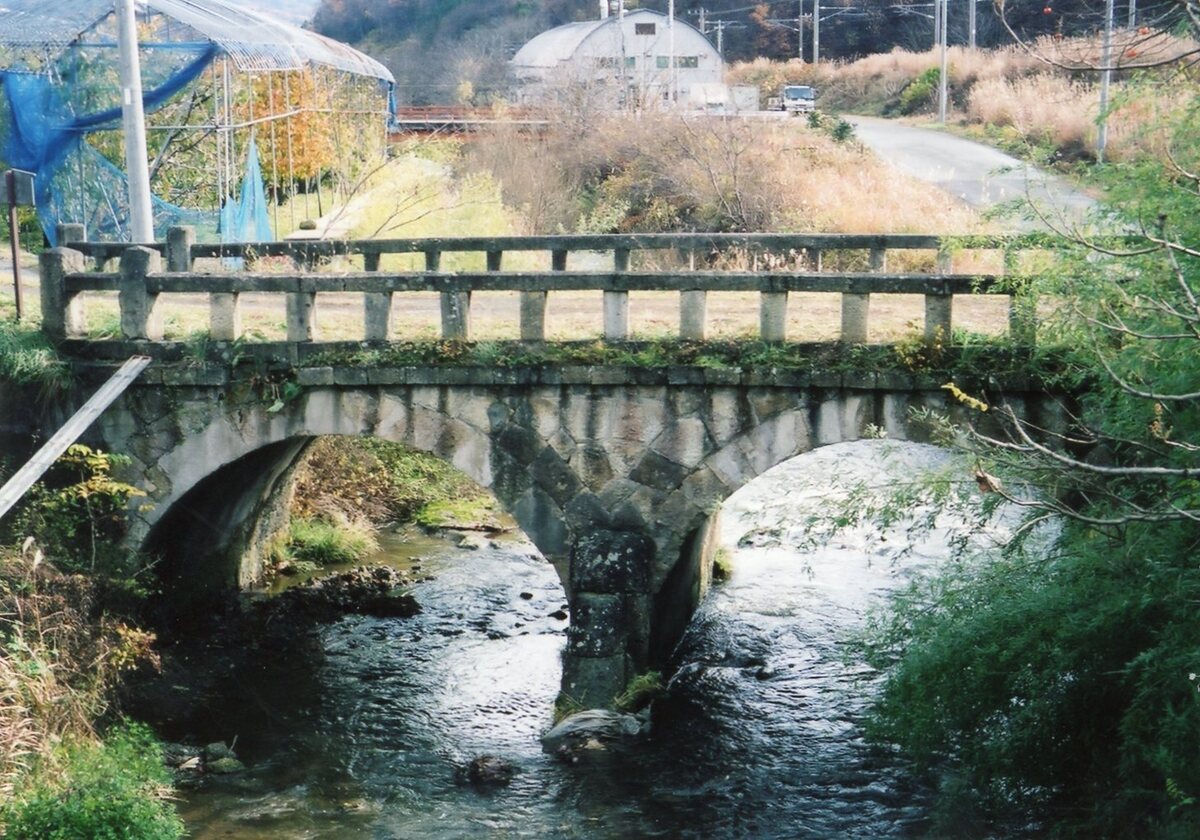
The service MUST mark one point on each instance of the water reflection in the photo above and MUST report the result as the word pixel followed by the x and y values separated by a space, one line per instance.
pixel 757 738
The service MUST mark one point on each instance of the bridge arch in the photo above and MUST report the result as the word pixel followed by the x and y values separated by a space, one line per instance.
pixel 617 484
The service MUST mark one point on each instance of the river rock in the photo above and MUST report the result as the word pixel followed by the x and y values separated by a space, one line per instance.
pixel 225 766
pixel 490 771
pixel 472 542
pixel 592 730
pixel 216 751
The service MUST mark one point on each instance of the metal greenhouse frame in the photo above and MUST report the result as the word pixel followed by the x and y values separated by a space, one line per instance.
pixel 212 70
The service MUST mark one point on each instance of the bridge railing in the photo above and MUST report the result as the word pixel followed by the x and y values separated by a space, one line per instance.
pixel 140 280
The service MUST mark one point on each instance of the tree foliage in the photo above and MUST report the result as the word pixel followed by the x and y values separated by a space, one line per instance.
pixel 1065 682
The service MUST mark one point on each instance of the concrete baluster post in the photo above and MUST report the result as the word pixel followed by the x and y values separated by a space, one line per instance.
pixel 141 316
pixel 301 316
pixel 616 304
pixel 493 260
pixel 180 240
pixel 377 306
pixel 693 314
pixel 68 233
pixel 533 304
pixel 1022 305
pixel 456 306
pixel 816 259
pixel 772 317
pixel 856 306
pixel 939 309
pixel 63 314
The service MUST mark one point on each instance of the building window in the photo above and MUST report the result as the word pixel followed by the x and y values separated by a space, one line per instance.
pixel 643 29
pixel 612 63
pixel 685 61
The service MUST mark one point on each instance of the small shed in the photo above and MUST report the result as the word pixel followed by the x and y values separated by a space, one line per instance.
pixel 638 59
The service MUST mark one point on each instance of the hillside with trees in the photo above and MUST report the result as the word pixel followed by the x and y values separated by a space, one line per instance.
pixel 443 50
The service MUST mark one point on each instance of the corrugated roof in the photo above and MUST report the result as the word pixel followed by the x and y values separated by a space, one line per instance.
pixel 558 44
pixel 252 39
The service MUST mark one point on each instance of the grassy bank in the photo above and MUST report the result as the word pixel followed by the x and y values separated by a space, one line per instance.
pixel 349 488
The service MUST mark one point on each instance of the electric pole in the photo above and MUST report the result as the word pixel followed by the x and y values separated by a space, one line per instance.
pixel 816 32
pixel 945 4
pixel 1105 78
pixel 133 121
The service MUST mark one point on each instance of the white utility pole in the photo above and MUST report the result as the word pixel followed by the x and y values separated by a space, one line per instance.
pixel 673 68
pixel 1105 78
pixel 816 31
pixel 945 4
pixel 1132 13
pixel 800 31
pixel 133 121
pixel 971 23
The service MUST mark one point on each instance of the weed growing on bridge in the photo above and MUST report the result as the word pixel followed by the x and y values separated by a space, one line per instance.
pixel 28 358
pixel 968 357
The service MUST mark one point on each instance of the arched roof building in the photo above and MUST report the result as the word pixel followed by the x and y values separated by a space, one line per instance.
pixel 626 58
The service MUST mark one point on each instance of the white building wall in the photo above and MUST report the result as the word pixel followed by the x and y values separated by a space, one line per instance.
pixel 629 59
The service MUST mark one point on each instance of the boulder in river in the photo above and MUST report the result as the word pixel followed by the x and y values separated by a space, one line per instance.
pixel 489 771
pixel 592 730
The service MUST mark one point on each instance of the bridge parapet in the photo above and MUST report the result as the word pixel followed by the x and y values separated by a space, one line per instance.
pixel 140 282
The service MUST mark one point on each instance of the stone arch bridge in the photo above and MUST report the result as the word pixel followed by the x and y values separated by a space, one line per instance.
pixel 614 472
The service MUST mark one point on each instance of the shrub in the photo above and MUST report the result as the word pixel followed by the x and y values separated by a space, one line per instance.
pixel 27 358
pixel 324 542
pixel 920 91
pixel 76 513
pixel 108 790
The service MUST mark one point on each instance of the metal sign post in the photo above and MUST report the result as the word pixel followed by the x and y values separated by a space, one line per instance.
pixel 18 191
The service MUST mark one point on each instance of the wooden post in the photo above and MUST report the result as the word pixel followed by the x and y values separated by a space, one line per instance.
pixel 772 317
pixel 179 248
pixel 141 317
pixel 63 315
pixel 616 304
pixel 939 309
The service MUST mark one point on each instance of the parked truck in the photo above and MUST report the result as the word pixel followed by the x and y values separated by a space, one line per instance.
pixel 795 99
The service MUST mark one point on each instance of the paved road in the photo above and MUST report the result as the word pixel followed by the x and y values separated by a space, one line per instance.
pixel 977 174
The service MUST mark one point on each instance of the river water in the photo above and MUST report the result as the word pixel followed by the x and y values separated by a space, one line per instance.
pixel 361 733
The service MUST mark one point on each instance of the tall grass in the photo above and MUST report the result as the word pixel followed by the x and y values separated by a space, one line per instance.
pixel 333 539
pixel 59 666
pixel 28 358
pixel 1040 94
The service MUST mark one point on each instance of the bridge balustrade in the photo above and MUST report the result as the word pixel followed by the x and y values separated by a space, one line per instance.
pixel 140 280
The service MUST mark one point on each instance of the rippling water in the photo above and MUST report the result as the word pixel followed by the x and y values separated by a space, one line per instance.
pixel 360 734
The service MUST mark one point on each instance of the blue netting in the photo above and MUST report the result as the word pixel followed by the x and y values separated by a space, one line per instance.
pixel 45 118
pixel 246 219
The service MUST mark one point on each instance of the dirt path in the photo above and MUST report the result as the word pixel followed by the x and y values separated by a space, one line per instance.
pixel 979 175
